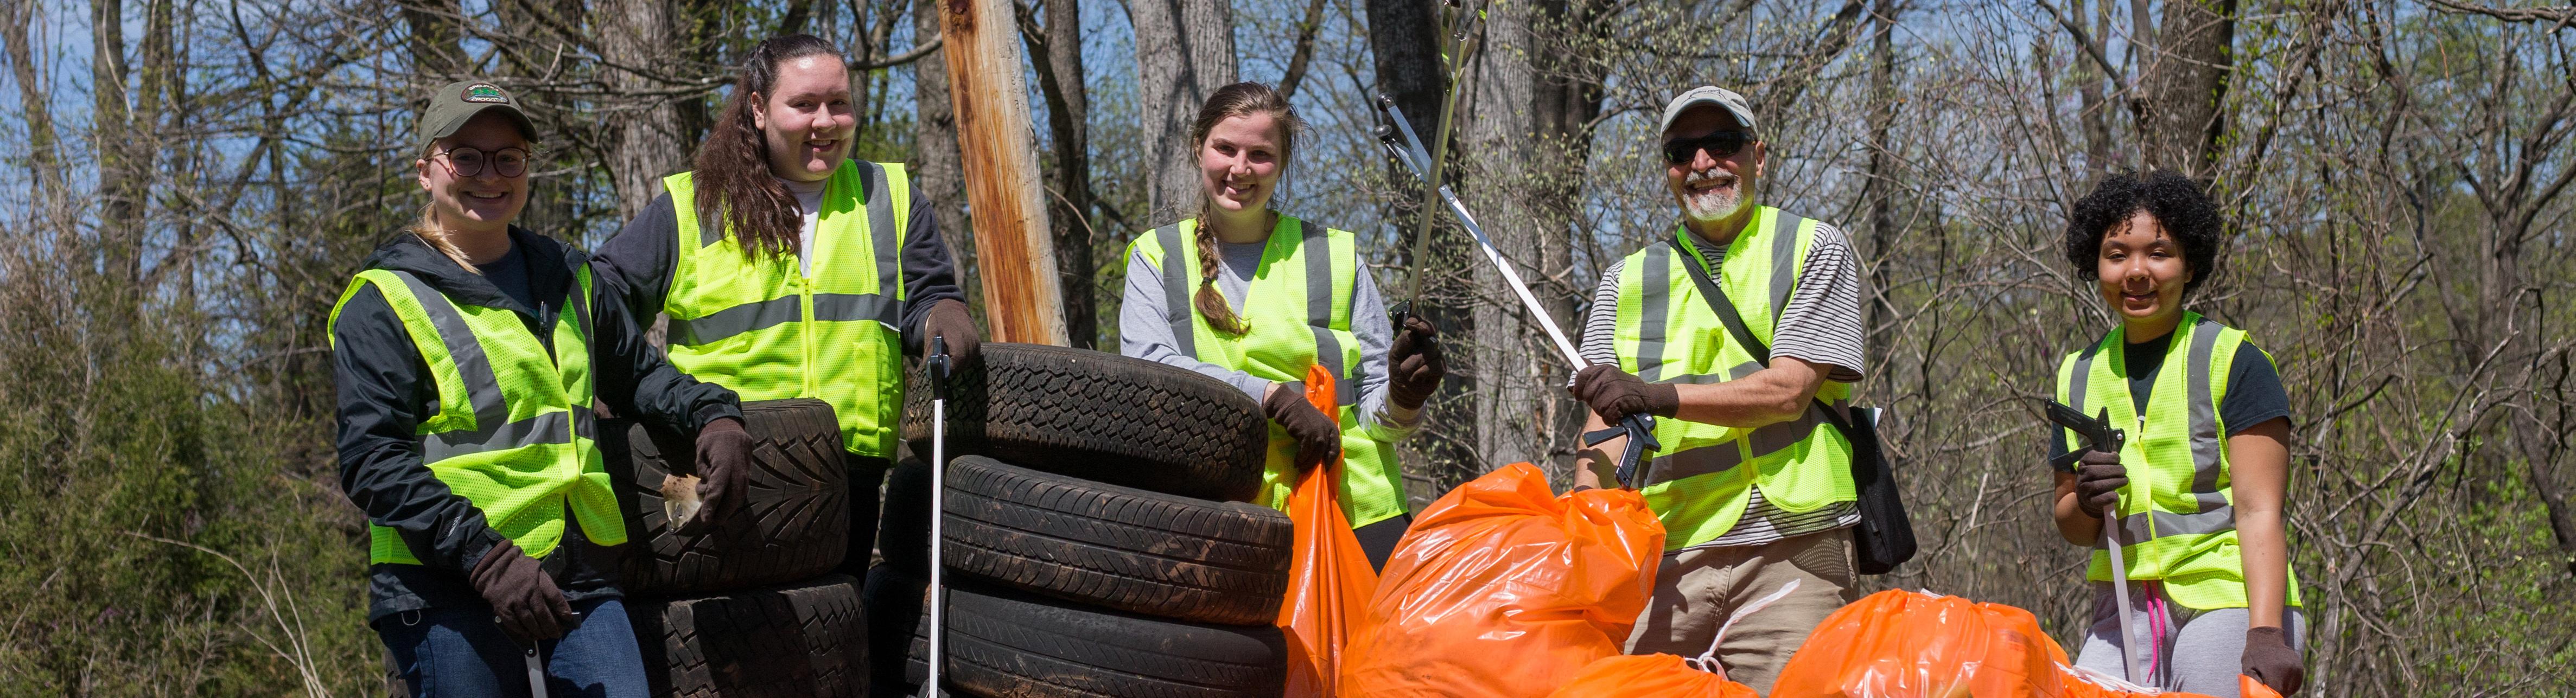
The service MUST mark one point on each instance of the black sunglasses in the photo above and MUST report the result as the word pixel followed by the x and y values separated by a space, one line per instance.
pixel 1721 144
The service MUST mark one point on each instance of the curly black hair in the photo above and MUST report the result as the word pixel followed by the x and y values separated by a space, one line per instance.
pixel 2186 211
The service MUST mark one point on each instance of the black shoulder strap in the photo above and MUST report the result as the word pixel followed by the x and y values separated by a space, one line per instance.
pixel 1725 308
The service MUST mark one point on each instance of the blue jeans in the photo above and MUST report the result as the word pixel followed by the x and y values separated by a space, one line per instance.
pixel 459 651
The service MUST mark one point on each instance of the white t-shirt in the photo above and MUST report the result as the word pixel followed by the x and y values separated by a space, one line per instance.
pixel 809 199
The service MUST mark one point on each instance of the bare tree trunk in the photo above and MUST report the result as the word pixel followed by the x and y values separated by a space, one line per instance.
pixel 1184 52
pixel 33 102
pixel 938 181
pixel 2188 85
pixel 1068 113
pixel 1880 192
pixel 635 37
pixel 120 175
pixel 1527 110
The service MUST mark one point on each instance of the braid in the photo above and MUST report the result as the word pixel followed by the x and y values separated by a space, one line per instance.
pixel 1211 305
pixel 429 232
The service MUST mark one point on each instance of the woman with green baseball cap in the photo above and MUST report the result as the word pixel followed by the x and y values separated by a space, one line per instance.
pixel 468 352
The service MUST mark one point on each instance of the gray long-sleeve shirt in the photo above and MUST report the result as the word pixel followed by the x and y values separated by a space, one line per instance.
pixel 1143 333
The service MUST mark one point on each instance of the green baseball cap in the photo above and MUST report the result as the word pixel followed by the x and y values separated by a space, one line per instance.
pixel 459 102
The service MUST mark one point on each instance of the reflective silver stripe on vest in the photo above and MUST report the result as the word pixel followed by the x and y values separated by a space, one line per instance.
pixel 1653 304
pixel 855 307
pixel 1176 291
pixel 2134 530
pixel 2204 421
pixel 546 428
pixel 482 388
pixel 1319 310
pixel 736 320
pixel 1784 261
pixel 1716 458
pixel 878 199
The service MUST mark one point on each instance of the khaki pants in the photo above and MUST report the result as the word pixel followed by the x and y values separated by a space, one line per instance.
pixel 1695 591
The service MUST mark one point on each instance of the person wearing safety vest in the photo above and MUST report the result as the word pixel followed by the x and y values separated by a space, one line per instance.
pixel 789 269
pixel 1753 484
pixel 2198 485
pixel 1253 297
pixel 468 354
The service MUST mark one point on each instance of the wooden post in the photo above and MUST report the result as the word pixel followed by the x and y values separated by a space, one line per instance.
pixel 997 147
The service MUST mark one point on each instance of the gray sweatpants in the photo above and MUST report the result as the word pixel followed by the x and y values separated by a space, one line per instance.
pixel 2196 652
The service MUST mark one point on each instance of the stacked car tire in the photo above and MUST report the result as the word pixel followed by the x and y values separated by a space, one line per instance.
pixel 751 609
pixel 1096 541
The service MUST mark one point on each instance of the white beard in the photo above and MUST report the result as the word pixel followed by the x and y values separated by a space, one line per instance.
pixel 1715 204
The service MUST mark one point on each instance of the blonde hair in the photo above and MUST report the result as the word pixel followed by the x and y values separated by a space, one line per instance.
pixel 428 230
pixel 1239 99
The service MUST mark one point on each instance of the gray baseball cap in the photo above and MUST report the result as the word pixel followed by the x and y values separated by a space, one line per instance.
pixel 1708 94
pixel 459 102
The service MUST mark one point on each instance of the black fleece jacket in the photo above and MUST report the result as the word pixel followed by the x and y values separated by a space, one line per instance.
pixel 386 391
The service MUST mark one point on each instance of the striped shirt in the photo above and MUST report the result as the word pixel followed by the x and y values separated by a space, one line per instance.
pixel 1822 325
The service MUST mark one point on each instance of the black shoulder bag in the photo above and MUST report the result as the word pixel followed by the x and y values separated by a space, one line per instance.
pixel 1885 537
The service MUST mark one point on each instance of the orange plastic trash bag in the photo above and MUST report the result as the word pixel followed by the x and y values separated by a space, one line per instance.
pixel 1638 675
pixel 1329 578
pixel 1503 590
pixel 1911 644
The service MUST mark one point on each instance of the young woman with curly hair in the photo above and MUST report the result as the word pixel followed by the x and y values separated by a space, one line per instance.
pixel 2197 489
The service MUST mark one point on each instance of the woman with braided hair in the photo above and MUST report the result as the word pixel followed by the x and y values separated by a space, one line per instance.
pixel 1253 297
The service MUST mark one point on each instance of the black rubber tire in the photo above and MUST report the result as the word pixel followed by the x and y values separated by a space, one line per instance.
pixel 794 522
pixel 1117 547
pixel 1007 644
pixel 1104 417
pixel 802 639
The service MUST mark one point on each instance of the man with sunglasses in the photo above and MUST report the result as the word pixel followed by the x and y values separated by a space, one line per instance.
pixel 1753 485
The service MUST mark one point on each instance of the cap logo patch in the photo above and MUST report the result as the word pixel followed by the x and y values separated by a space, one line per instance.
pixel 485 93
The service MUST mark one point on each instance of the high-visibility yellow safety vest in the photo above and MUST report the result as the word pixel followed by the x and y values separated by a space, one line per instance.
pixel 1298 312
pixel 766 329
pixel 1666 333
pixel 513 433
pixel 2177 516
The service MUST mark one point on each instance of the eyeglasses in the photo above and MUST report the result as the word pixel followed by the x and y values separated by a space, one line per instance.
pixel 468 162
pixel 1721 144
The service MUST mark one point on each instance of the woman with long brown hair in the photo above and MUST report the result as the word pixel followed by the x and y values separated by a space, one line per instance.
pixel 790 269
pixel 1253 296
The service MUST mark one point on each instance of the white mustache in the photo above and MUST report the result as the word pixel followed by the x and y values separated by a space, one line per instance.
pixel 1722 177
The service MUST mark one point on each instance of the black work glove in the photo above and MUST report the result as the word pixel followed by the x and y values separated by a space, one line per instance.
pixel 524 600
pixel 1414 366
pixel 2269 659
pixel 2098 481
pixel 948 320
pixel 1319 438
pixel 724 470
pixel 1614 394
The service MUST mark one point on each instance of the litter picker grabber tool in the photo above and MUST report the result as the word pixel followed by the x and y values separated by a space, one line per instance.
pixel 2099 435
pixel 536 674
pixel 1397 137
pixel 937 365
